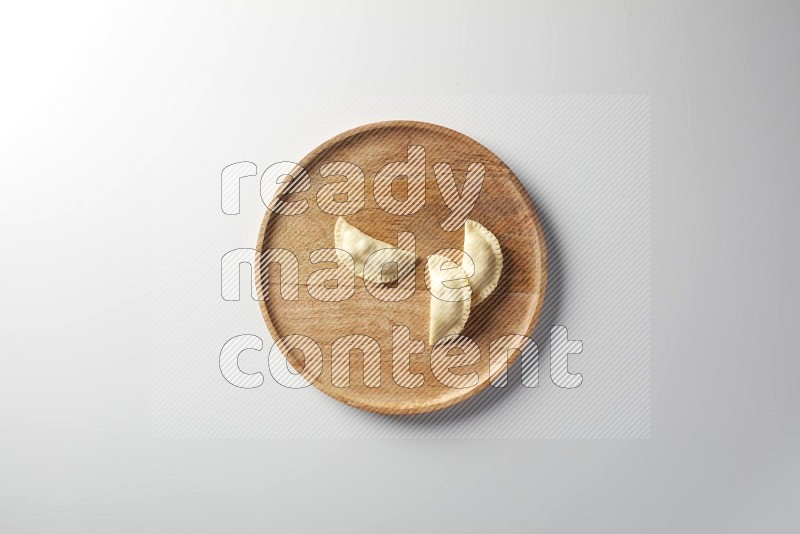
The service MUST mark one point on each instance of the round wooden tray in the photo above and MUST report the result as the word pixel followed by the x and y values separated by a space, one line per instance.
pixel 504 207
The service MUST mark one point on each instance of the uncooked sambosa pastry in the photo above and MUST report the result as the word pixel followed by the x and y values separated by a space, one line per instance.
pixel 361 246
pixel 483 247
pixel 451 297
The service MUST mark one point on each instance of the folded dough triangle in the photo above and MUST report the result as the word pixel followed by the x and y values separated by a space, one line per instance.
pixel 450 298
pixel 361 246
pixel 484 249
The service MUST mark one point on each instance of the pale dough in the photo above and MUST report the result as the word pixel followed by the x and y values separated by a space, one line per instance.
pixel 450 298
pixel 360 246
pixel 484 249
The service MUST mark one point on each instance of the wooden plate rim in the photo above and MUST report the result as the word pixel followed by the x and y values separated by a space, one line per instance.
pixel 421 407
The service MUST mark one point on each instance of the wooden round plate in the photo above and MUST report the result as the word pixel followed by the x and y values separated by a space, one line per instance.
pixel 503 207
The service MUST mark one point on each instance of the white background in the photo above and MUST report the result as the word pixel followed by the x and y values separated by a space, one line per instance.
pixel 96 98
